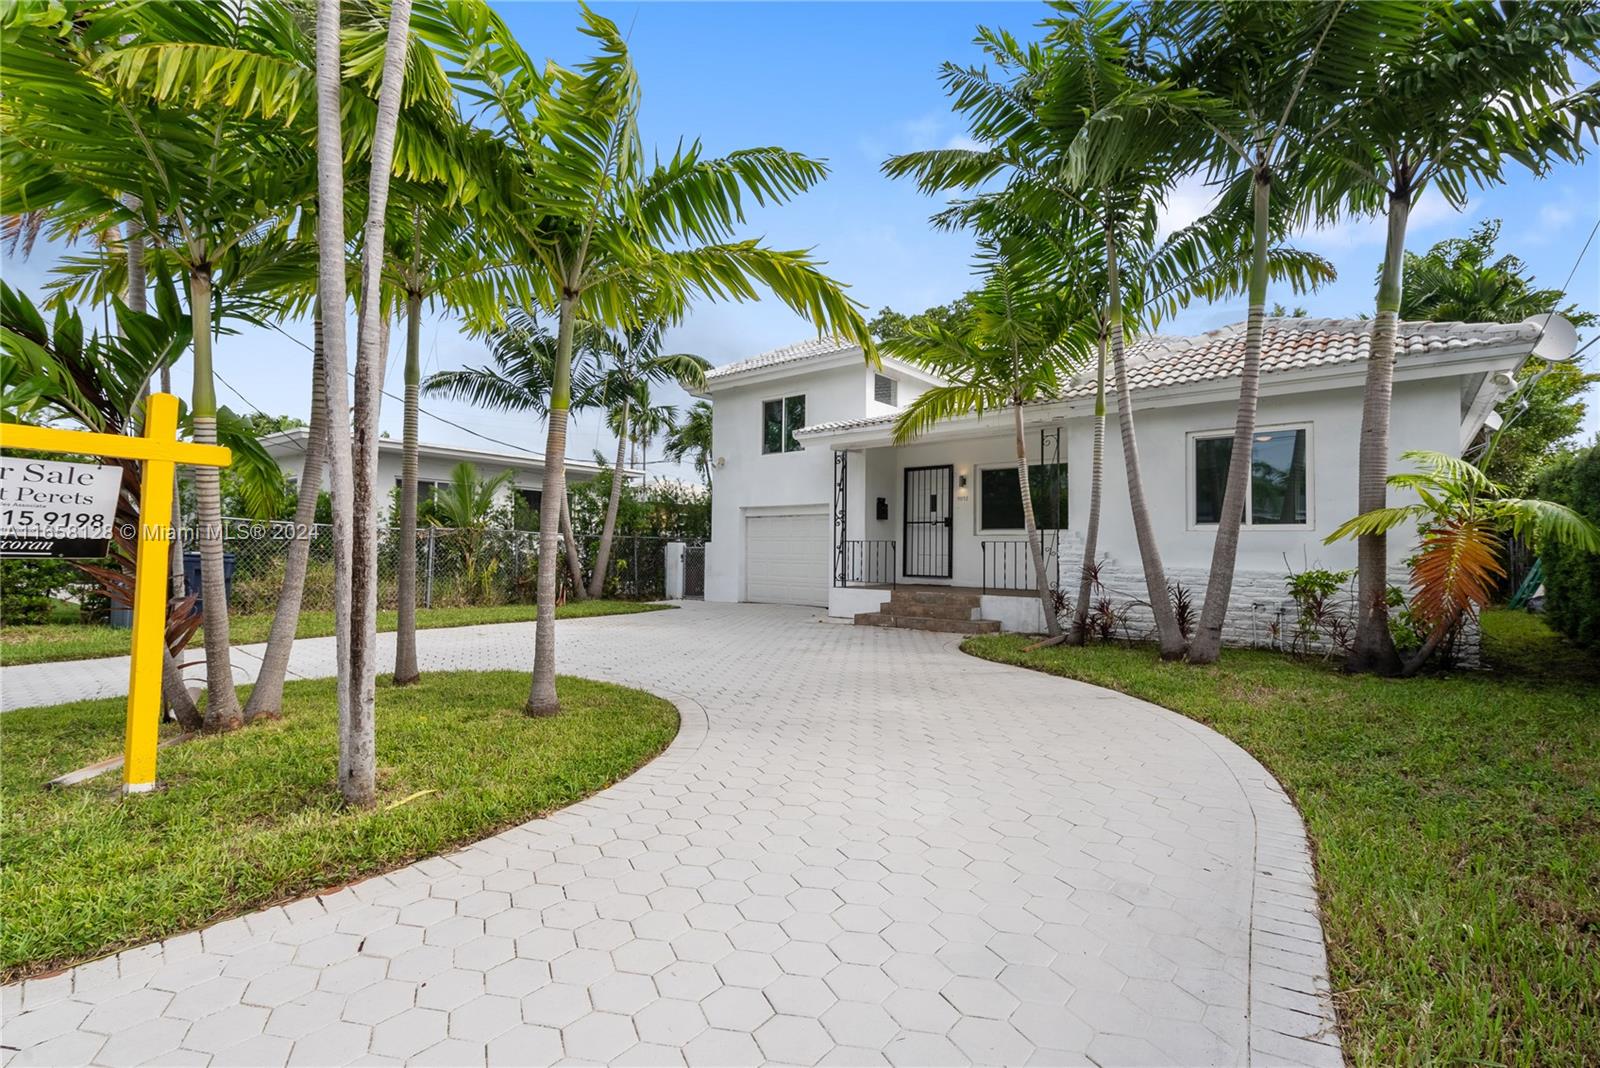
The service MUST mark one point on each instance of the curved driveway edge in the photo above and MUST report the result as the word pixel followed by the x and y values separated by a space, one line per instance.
pixel 862 847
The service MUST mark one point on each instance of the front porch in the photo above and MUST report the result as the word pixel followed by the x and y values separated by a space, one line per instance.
pixel 940 520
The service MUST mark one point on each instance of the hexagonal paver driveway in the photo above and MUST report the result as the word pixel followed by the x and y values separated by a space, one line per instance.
pixel 862 848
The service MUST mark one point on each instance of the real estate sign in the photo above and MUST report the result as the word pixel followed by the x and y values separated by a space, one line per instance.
pixel 50 508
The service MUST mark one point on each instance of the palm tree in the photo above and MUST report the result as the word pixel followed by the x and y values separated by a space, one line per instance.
pixel 238 177
pixel 631 359
pixel 1243 85
pixel 597 225
pixel 1029 126
pixel 692 438
pixel 1017 343
pixel 524 355
pixel 437 255
pixel 1472 85
pixel 358 756
pixel 466 504
pixel 1464 519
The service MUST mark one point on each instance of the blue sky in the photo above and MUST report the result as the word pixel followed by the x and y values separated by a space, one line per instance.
pixel 854 83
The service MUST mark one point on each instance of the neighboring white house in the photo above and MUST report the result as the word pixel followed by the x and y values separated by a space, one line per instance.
pixel 816 505
pixel 435 463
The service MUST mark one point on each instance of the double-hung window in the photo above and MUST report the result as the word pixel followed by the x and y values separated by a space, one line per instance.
pixel 779 420
pixel 1276 493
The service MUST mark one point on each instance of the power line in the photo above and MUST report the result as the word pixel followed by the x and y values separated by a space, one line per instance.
pixel 420 409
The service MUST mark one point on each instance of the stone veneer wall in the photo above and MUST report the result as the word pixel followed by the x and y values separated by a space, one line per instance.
pixel 1261 614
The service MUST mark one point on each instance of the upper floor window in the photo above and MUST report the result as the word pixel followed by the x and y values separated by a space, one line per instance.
pixel 779 420
pixel 885 390
pixel 1275 494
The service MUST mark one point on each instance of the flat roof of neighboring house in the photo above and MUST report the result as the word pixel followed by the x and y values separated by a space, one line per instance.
pixel 295 439
pixel 1289 347
pixel 814 353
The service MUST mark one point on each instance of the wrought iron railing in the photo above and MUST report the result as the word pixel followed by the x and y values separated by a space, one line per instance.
pixel 863 562
pixel 1008 563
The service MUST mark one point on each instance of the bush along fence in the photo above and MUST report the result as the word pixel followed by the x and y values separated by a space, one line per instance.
pixel 455 568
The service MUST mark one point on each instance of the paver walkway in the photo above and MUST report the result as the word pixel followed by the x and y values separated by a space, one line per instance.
pixel 863 846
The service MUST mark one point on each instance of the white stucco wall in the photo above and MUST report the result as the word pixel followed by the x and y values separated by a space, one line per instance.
pixel 1426 415
pixel 749 482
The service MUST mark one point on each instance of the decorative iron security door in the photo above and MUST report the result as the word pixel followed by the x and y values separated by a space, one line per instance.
pixel 928 534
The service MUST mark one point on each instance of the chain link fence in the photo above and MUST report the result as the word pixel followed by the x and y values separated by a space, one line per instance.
pixel 455 567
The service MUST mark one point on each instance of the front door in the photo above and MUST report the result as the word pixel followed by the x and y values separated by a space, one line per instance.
pixel 928 534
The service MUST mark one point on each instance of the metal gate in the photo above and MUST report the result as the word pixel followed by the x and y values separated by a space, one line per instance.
pixel 694 572
pixel 928 534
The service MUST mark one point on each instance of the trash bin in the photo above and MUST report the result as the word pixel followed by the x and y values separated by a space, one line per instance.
pixel 191 577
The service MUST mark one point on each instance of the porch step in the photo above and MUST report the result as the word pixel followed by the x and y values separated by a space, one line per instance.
pixel 936 623
pixel 920 599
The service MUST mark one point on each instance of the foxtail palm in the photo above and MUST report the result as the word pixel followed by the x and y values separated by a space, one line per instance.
pixel 1475 86
pixel 523 355
pixel 435 256
pixel 598 224
pixel 691 440
pixel 239 176
pixel 1018 342
pixel 630 360
pixel 358 755
pixel 1250 82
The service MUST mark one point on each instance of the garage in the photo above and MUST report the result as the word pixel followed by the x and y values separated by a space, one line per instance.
pixel 786 559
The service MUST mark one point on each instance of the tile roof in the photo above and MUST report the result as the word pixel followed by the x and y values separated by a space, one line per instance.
pixel 1287 345
pixel 1292 344
pixel 810 349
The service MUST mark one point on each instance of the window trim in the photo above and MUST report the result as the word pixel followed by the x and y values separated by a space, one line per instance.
pixel 783 424
pixel 977 498
pixel 893 390
pixel 1191 474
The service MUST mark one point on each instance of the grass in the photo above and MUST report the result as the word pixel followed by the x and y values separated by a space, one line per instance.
pixel 253 817
pixel 47 642
pixel 1456 826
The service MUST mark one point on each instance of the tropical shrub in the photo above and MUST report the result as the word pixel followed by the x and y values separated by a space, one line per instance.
pixel 27 588
pixel 1572 574
pixel 1463 520
pixel 1322 620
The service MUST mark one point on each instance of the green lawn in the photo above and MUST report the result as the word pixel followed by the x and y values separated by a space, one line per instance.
pixel 45 642
pixel 1456 825
pixel 253 817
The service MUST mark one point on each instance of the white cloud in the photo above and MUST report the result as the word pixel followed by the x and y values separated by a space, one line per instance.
pixel 1189 199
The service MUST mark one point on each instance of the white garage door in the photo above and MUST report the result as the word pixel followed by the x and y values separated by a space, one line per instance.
pixel 786 559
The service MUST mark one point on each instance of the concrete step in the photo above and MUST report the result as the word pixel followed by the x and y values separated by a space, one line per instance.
pixel 935 597
pixel 933 609
pixel 933 623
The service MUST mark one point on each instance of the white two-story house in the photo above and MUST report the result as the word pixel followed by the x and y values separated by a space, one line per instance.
pixel 815 504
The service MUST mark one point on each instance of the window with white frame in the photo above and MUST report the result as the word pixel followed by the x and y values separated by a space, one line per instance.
pixel 1000 497
pixel 1276 494
pixel 885 390
pixel 779 420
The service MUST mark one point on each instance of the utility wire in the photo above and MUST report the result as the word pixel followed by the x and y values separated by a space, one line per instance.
pixel 420 409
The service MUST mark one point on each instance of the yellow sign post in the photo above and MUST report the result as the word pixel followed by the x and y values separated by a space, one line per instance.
pixel 160 450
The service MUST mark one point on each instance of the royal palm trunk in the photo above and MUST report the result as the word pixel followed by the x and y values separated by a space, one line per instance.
pixel 331 287
pixel 1030 522
pixel 267 696
pixel 359 782
pixel 542 699
pixel 1091 534
pixel 222 702
pixel 574 561
pixel 1207 644
pixel 1168 637
pixel 597 581
pixel 405 644
pixel 1372 649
